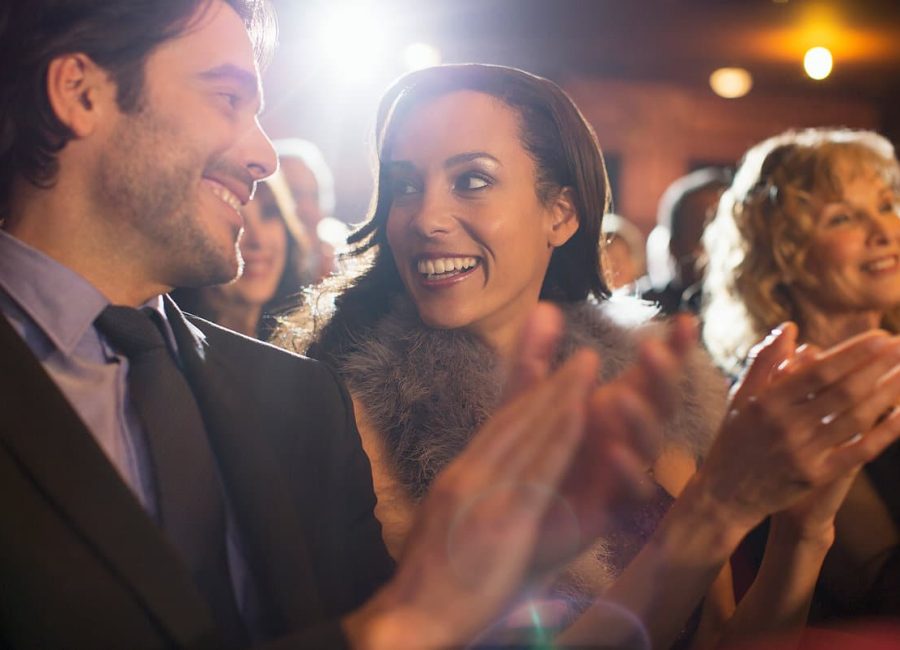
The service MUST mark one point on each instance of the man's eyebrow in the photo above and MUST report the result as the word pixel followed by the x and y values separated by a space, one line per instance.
pixel 246 79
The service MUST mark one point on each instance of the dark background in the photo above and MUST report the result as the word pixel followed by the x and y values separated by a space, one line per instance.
pixel 639 70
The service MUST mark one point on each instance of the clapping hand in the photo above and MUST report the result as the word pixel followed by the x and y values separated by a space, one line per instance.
pixel 559 448
pixel 802 424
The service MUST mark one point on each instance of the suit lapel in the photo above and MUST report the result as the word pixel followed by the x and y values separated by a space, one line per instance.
pixel 44 433
pixel 270 532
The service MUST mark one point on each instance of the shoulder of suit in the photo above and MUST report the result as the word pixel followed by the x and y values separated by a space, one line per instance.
pixel 220 339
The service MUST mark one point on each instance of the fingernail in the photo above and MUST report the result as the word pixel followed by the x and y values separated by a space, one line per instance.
pixel 774 334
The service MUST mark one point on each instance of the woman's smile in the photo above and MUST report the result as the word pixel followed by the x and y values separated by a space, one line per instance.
pixel 437 271
pixel 467 230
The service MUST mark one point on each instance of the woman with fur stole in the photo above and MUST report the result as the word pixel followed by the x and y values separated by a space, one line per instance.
pixel 490 193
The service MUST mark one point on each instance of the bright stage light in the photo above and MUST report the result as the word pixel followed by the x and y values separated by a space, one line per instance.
pixel 421 55
pixel 333 231
pixel 352 39
pixel 818 63
pixel 731 83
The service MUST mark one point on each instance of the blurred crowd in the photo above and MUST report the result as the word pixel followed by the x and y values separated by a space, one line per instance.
pixel 486 413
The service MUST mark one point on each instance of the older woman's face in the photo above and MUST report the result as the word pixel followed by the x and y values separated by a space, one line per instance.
pixel 468 234
pixel 855 251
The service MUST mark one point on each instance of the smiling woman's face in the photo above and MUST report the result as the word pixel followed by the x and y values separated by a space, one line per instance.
pixel 470 238
pixel 263 249
pixel 855 249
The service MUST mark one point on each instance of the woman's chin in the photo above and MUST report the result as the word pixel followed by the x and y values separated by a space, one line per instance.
pixel 441 320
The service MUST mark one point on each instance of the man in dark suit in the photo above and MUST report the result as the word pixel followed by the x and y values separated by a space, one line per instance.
pixel 128 142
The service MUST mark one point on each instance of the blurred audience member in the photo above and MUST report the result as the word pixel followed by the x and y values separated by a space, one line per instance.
pixel 810 232
pixel 312 185
pixel 623 258
pixel 673 247
pixel 274 251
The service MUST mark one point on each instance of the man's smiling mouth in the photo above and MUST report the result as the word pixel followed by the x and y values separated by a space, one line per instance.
pixel 224 194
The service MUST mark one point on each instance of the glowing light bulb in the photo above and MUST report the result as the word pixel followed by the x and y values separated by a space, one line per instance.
pixel 818 63
pixel 731 83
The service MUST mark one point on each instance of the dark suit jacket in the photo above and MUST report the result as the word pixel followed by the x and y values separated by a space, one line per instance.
pixel 83 566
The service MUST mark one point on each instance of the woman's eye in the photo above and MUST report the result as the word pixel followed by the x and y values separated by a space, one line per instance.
pixel 838 219
pixel 889 206
pixel 472 181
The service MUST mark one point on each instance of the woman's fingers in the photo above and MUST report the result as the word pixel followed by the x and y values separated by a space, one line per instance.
pixel 765 359
pixel 790 432
pixel 507 441
pixel 557 423
pixel 802 357
pixel 656 373
pixel 867 446
pixel 537 349
pixel 833 365
pixel 683 334
pixel 852 405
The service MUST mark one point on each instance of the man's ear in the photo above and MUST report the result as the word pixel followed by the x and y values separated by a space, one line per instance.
pixel 564 217
pixel 77 89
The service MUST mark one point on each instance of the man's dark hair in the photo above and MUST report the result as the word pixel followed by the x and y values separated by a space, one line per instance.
pixel 118 35
pixel 674 198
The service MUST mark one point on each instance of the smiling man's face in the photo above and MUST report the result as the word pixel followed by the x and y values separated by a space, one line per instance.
pixel 174 174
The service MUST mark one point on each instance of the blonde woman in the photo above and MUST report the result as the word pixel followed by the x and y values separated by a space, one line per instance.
pixel 809 232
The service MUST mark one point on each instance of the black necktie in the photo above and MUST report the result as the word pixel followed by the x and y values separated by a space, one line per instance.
pixel 189 495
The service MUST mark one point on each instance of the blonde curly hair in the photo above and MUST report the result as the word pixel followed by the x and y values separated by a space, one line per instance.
pixel 758 243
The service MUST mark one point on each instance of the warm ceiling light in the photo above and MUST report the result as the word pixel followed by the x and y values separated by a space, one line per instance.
pixel 731 83
pixel 817 62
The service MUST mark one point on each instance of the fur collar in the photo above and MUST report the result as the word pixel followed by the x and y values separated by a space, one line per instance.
pixel 428 390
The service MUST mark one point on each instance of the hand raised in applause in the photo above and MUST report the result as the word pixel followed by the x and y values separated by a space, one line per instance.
pixel 485 528
pixel 805 427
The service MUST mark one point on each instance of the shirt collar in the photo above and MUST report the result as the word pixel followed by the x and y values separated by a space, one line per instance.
pixel 60 302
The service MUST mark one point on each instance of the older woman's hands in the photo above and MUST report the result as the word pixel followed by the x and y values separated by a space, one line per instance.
pixel 791 432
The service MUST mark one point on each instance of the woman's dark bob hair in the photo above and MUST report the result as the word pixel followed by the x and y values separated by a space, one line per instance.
pixel 553 131
pixel 566 155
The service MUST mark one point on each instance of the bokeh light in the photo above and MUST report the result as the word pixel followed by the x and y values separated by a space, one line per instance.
pixel 731 83
pixel 818 63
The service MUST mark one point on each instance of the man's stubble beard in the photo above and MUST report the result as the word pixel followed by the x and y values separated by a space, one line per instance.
pixel 146 182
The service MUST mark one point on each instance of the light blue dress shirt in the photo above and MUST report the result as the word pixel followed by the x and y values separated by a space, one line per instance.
pixel 53 309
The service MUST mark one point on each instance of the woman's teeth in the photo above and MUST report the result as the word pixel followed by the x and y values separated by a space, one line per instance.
pixel 882 264
pixel 446 266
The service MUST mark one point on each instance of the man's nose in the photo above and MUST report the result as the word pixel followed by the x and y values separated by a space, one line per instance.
pixel 257 153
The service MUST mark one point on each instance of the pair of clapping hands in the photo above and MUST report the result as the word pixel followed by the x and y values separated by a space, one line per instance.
pixel 534 486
